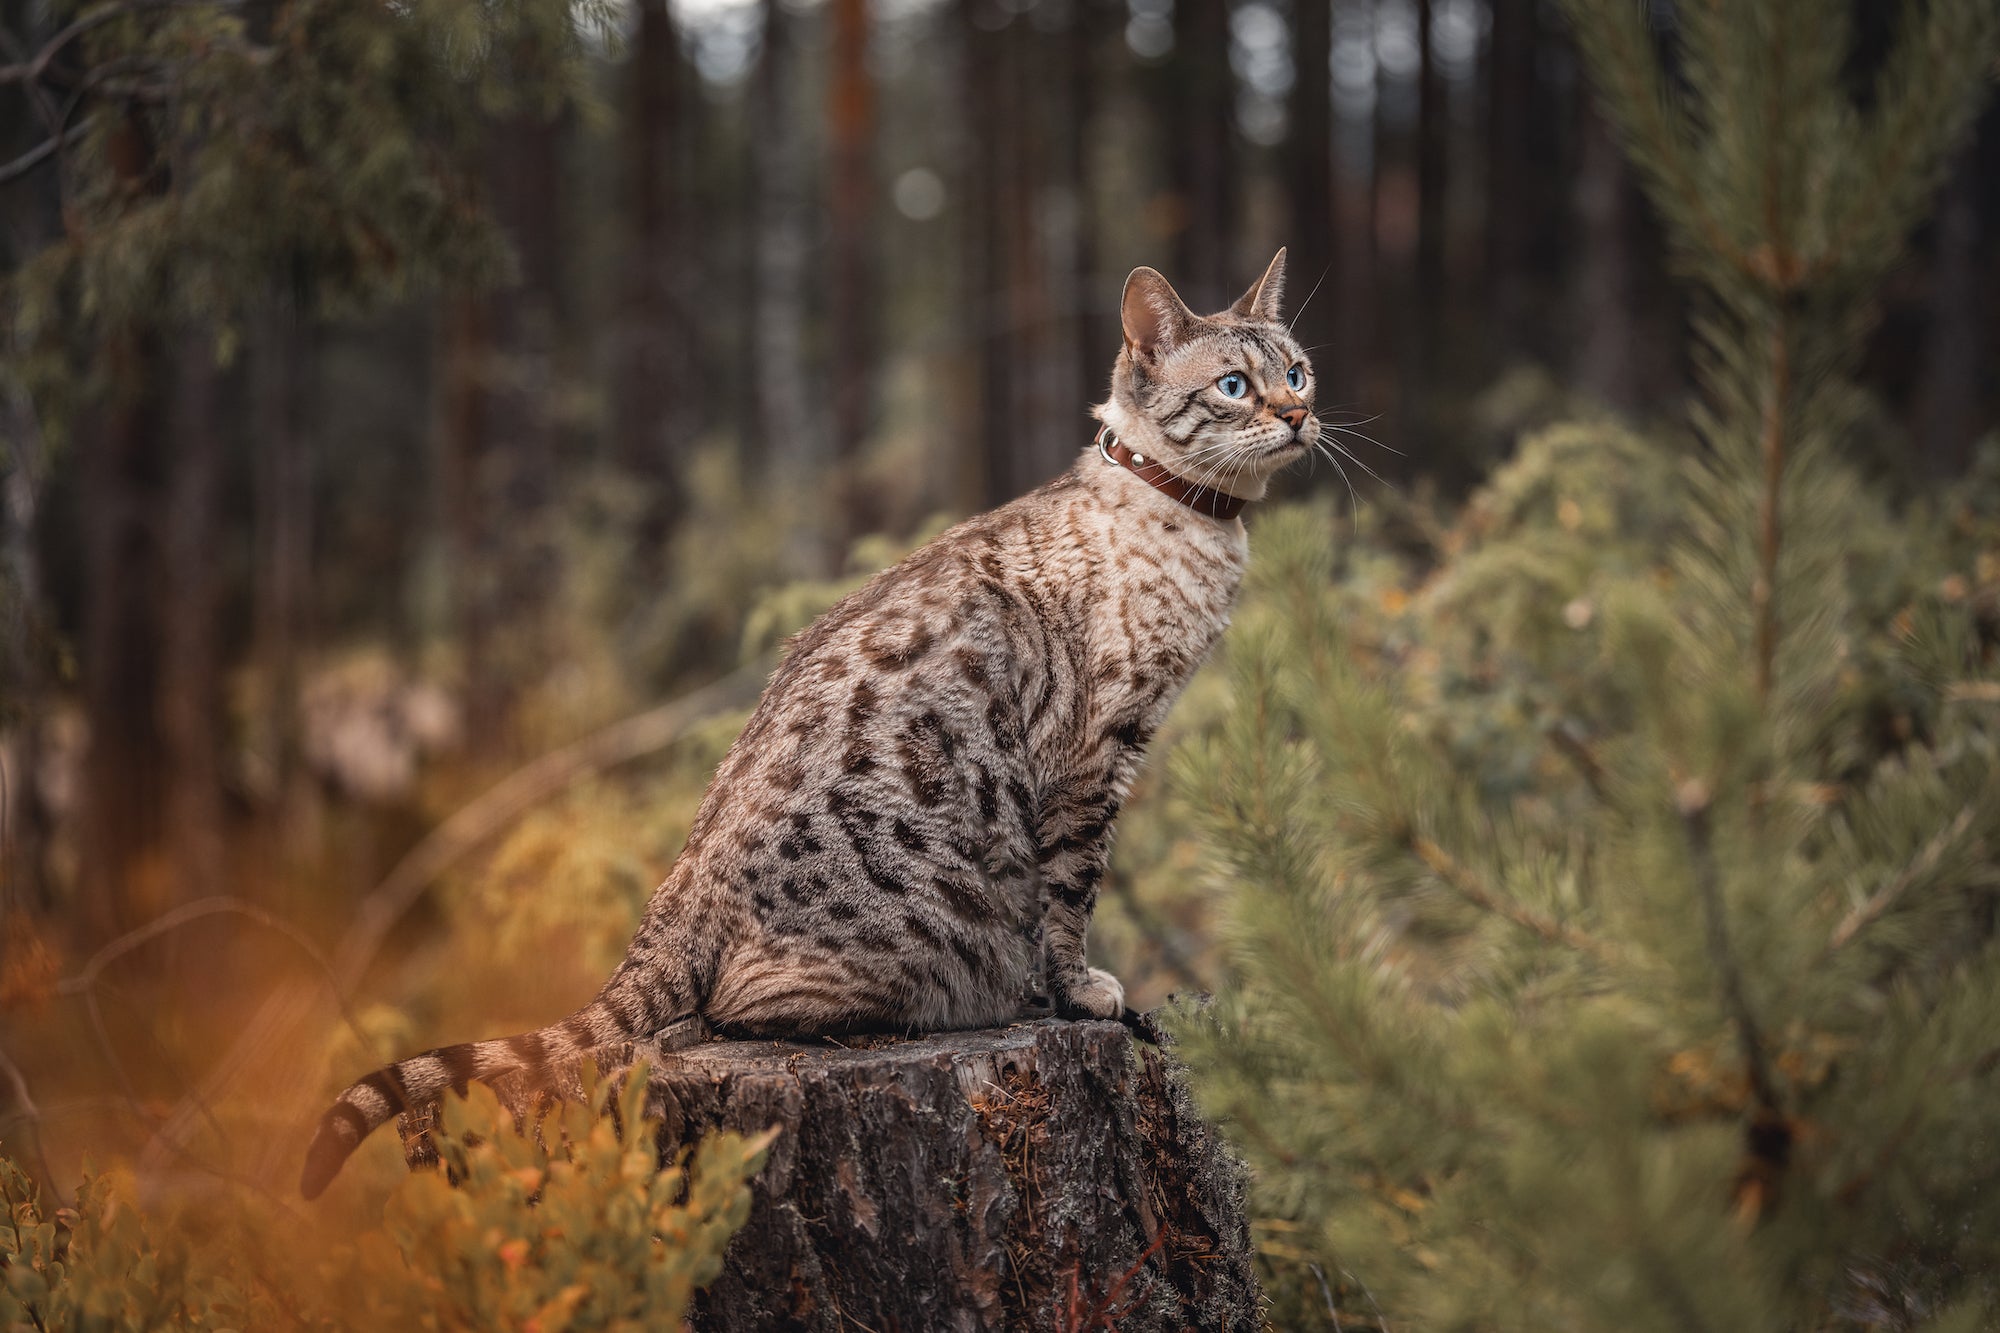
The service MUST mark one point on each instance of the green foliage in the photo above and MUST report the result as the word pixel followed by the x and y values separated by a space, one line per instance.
pixel 599 1237
pixel 1785 203
pixel 1613 935
pixel 581 868
pixel 594 1235
pixel 316 148
pixel 1769 176
pixel 99 1265
pixel 1482 1044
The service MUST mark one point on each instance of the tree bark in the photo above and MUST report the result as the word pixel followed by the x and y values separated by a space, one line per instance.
pixel 788 431
pixel 465 448
pixel 649 418
pixel 526 174
pixel 1043 341
pixel 190 708
pixel 1606 347
pixel 125 483
pixel 1045 1175
pixel 991 124
pixel 1510 168
pixel 1309 149
pixel 850 252
pixel 1433 159
pixel 1948 415
pixel 125 767
pixel 280 368
pixel 27 825
pixel 1092 339
pixel 1200 91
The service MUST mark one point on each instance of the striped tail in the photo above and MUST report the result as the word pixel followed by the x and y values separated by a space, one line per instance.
pixel 394 1089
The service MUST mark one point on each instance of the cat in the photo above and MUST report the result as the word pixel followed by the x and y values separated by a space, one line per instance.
pixel 911 829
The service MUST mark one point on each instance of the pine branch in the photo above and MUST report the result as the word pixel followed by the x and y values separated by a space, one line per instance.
pixel 1577 750
pixel 1460 878
pixel 1628 77
pixel 1770 520
pixel 1865 913
pixel 1932 96
pixel 1693 801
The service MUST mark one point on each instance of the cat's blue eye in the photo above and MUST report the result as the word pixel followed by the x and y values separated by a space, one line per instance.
pixel 1296 377
pixel 1233 385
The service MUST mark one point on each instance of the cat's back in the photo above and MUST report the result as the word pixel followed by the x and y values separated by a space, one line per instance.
pixel 921 667
pixel 974 578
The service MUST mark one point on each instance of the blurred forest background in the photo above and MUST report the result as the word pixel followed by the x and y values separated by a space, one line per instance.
pixel 413 416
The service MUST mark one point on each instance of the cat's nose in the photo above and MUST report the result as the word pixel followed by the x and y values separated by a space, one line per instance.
pixel 1294 416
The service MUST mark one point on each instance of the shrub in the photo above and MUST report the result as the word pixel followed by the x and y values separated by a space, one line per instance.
pixel 594 1234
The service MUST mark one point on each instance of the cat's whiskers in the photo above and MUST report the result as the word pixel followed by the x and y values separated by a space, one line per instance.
pixel 1241 458
pixel 1325 439
pixel 1353 500
pixel 1347 428
pixel 1218 451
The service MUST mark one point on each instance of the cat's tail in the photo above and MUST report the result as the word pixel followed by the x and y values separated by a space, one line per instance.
pixel 394 1089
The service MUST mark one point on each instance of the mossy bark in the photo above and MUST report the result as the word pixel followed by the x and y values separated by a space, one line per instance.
pixel 1047 1175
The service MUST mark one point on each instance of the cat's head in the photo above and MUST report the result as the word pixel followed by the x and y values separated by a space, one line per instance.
pixel 1224 399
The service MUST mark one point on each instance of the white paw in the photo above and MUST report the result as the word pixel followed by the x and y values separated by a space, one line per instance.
pixel 1101 995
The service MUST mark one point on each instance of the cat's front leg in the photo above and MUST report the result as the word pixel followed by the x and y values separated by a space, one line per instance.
pixel 1075 845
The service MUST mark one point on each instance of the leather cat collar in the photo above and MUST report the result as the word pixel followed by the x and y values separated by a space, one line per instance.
pixel 1202 499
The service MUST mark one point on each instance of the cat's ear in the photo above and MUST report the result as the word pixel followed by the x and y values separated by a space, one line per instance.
pixel 1155 317
pixel 1261 301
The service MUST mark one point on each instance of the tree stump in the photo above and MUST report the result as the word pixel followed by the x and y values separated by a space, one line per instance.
pixel 1048 1175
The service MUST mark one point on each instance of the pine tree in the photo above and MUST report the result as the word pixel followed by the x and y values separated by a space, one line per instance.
pixel 206 153
pixel 1612 910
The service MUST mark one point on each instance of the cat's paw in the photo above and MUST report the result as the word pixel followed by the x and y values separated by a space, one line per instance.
pixel 1100 996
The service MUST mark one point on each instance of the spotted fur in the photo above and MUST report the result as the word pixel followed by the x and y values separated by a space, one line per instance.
pixel 919 811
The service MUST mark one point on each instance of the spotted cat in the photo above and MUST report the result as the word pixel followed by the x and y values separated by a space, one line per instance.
pixel 913 825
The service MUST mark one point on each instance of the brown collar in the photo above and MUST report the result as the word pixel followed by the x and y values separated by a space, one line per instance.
pixel 1202 499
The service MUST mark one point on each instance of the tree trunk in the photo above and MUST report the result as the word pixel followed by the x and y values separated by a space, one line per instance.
pixel 991 124
pixel 1044 1175
pixel 526 173
pixel 1510 173
pixel 280 368
pixel 1309 170
pixel 124 870
pixel 465 446
pixel 1041 407
pixel 1433 159
pixel 1606 353
pixel 1092 340
pixel 1948 415
pixel 191 714
pixel 649 418
pixel 850 252
pixel 1200 90
pixel 26 676
pixel 1043 345
pixel 789 436
pixel 125 767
